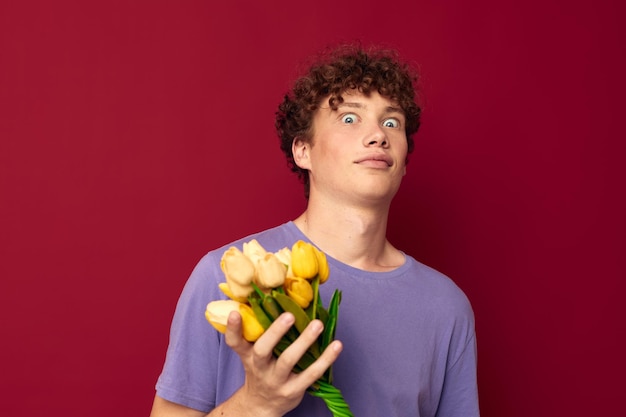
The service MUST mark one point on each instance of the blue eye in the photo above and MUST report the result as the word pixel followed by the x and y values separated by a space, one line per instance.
pixel 391 123
pixel 349 118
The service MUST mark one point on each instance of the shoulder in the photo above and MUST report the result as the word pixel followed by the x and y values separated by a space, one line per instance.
pixel 441 292
pixel 441 283
pixel 271 239
pixel 276 237
pixel 448 308
pixel 207 272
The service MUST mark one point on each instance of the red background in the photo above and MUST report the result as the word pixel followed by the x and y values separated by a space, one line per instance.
pixel 138 135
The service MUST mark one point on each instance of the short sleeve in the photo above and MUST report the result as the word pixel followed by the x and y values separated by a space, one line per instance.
pixel 188 376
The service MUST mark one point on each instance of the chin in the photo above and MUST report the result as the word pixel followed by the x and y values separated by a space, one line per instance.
pixel 378 195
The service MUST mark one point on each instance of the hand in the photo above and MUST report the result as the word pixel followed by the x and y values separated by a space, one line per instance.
pixel 270 387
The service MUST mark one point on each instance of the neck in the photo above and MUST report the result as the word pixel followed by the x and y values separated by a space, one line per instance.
pixel 355 236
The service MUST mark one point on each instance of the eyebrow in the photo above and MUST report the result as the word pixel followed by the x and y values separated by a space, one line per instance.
pixel 388 109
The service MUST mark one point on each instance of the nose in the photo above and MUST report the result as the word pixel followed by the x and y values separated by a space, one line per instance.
pixel 376 137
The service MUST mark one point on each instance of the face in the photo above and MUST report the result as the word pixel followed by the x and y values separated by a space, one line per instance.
pixel 357 151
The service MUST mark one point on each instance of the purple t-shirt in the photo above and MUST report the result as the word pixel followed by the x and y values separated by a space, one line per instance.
pixel 408 335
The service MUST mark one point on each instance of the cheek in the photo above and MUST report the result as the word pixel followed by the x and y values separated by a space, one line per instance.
pixel 403 148
pixel 328 151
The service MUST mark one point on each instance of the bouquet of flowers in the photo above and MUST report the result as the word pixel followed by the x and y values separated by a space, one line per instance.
pixel 261 285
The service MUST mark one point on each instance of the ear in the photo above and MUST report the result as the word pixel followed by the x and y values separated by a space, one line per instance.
pixel 300 149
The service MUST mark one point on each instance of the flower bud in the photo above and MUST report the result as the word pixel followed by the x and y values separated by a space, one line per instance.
pixel 322 264
pixel 217 313
pixel 251 328
pixel 239 272
pixel 303 260
pixel 299 290
pixel 226 290
pixel 270 272
pixel 239 291
pixel 284 256
pixel 254 251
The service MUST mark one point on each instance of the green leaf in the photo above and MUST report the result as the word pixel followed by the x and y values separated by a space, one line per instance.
pixel 260 314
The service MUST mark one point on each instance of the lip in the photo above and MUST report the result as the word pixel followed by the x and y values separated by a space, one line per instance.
pixel 375 159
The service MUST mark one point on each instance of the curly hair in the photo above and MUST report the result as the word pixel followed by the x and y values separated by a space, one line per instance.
pixel 347 67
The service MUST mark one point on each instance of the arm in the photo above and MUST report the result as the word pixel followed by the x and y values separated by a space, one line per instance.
pixel 270 388
pixel 459 397
pixel 164 408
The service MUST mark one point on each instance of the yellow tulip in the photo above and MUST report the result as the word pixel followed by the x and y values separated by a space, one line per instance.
pixel 254 251
pixel 270 272
pixel 217 313
pixel 252 329
pixel 284 255
pixel 304 260
pixel 299 290
pixel 322 264
pixel 239 292
pixel 239 272
pixel 226 290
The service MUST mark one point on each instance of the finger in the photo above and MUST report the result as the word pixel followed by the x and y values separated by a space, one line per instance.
pixel 233 334
pixel 317 368
pixel 293 353
pixel 264 346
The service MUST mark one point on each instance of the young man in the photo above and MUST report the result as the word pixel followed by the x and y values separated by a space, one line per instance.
pixel 405 338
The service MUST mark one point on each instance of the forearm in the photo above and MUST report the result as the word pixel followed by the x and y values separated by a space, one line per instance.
pixel 238 405
pixel 242 405
pixel 164 408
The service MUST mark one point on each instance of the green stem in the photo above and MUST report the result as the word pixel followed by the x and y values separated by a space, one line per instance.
pixel 332 397
pixel 316 294
pixel 258 291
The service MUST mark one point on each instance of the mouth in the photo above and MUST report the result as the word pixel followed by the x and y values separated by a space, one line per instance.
pixel 377 160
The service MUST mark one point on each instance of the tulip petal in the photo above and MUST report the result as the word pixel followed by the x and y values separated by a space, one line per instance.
pixel 253 250
pixel 237 267
pixel 322 265
pixel 270 271
pixel 251 328
pixel 226 290
pixel 217 313
pixel 303 260
pixel 300 290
